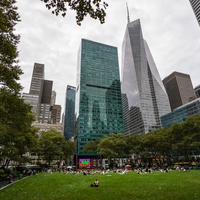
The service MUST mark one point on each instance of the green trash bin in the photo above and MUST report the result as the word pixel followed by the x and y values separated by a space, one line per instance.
pixel 20 176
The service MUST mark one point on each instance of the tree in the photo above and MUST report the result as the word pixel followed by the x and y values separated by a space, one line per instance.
pixel 17 136
pixel 91 147
pixel 9 68
pixel 69 150
pixel 52 144
pixel 95 9
pixel 112 146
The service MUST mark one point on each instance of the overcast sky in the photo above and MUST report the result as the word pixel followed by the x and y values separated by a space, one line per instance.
pixel 169 27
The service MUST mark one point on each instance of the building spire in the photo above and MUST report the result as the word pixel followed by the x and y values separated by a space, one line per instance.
pixel 128 17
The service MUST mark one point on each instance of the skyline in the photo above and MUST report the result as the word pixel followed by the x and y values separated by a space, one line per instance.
pixel 174 40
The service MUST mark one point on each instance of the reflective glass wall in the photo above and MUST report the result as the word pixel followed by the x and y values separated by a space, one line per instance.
pixel 69 121
pixel 144 96
pixel 99 103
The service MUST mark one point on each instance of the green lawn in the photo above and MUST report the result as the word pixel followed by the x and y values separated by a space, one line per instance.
pixel 132 186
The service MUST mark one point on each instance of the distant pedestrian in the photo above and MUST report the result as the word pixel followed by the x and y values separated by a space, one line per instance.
pixel 96 183
pixel 10 178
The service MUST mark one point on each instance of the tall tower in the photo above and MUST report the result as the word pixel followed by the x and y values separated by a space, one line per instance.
pixel 144 96
pixel 196 8
pixel 98 96
pixel 179 89
pixel 69 120
pixel 37 79
pixel 39 96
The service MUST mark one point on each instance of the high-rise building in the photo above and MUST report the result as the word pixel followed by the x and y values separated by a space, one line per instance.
pixel 143 94
pixel 197 91
pixel 69 120
pixel 98 93
pixel 39 96
pixel 37 79
pixel 45 104
pixel 36 88
pixel 196 8
pixel 179 89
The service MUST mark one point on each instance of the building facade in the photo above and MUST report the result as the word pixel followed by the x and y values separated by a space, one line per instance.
pixel 36 88
pixel 69 119
pixel 55 114
pixel 37 79
pixel 46 127
pixel 45 104
pixel 144 97
pixel 197 91
pixel 98 94
pixel 33 100
pixel 196 8
pixel 180 114
pixel 179 89
pixel 40 96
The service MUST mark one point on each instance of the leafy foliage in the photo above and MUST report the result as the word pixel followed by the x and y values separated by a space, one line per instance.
pixel 53 146
pixel 9 68
pixel 95 8
pixel 17 136
pixel 165 145
pixel 91 147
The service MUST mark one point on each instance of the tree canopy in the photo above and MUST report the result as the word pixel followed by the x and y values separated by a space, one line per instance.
pixel 17 136
pixel 95 8
pixel 9 69
pixel 53 146
pixel 180 142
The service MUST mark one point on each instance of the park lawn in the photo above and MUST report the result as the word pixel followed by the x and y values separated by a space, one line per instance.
pixel 132 186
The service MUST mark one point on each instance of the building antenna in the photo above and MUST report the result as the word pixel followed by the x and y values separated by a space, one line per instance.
pixel 128 17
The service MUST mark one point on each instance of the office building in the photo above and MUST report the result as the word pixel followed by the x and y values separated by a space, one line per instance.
pixel 36 89
pixel 39 96
pixel 53 98
pixel 180 114
pixel 69 118
pixel 196 8
pixel 144 97
pixel 98 94
pixel 37 79
pixel 55 114
pixel 45 104
pixel 179 89
pixel 46 127
pixel 197 91
pixel 33 101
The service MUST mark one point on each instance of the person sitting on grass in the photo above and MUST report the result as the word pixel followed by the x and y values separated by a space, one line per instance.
pixel 96 183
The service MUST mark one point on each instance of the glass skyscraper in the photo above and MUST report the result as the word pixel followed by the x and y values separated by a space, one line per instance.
pixel 98 93
pixel 69 121
pixel 144 97
pixel 180 114
pixel 196 8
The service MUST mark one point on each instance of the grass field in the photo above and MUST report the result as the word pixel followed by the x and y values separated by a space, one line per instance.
pixel 132 186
